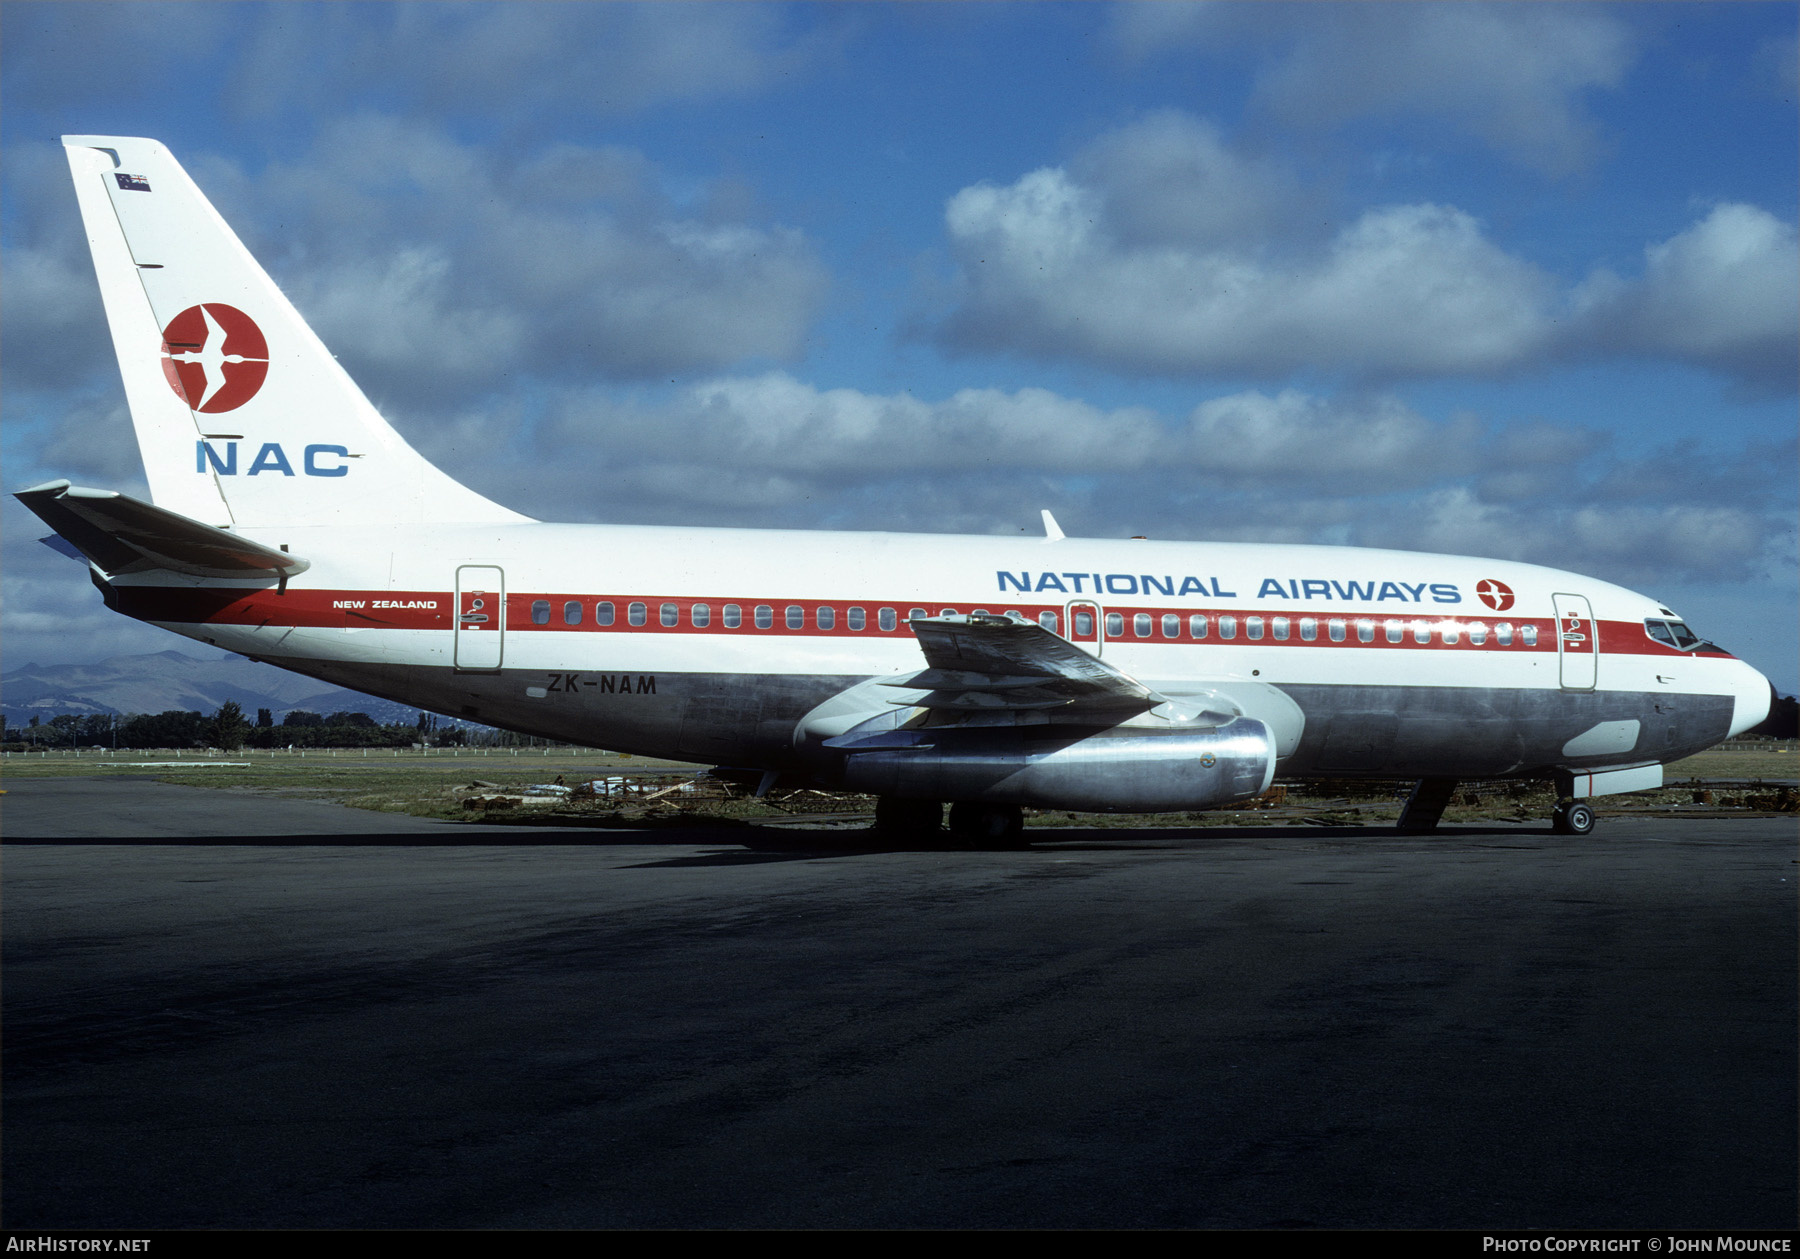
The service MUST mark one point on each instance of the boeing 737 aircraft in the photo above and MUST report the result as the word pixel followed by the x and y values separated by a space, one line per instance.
pixel 290 523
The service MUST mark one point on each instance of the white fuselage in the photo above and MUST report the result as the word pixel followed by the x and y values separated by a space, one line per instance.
pixel 1342 632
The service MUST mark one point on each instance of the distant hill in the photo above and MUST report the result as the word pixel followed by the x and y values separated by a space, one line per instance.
pixel 169 679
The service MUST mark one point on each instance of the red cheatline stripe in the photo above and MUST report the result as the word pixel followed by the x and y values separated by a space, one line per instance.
pixel 431 609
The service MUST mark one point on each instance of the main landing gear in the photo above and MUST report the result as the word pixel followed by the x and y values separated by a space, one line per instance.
pixel 972 825
pixel 1572 817
pixel 987 825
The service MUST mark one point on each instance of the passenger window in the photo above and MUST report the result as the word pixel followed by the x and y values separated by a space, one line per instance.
pixel 635 614
pixel 948 612
pixel 1421 632
pixel 1227 626
pixel 1395 631
pixel 889 618
pixel 980 612
pixel 572 612
pixel 796 616
pixel 1140 624
pixel 734 616
pixel 1365 631
pixel 1503 634
pixel 855 618
pixel 1253 627
pixel 1337 628
pixel 1171 625
pixel 1477 633
pixel 1528 635
pixel 1280 627
pixel 670 614
pixel 1084 624
pixel 702 615
pixel 765 616
pixel 1048 621
pixel 1197 625
pixel 916 613
pixel 1451 631
pixel 540 611
pixel 1309 628
pixel 603 613
pixel 826 617
pixel 1115 625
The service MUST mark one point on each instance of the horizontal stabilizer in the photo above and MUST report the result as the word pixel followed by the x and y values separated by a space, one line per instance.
pixel 996 662
pixel 119 534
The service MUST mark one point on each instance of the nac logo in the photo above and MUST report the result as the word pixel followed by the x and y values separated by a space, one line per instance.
pixel 215 357
pixel 1496 594
pixel 272 458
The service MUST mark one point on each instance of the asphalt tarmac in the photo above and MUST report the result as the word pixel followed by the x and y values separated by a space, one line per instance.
pixel 316 1018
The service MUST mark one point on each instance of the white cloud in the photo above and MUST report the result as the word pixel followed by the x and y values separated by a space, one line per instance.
pixel 1158 249
pixel 1403 290
pixel 1170 179
pixel 1512 74
pixel 1632 543
pixel 1295 435
pixel 1725 293
pixel 434 267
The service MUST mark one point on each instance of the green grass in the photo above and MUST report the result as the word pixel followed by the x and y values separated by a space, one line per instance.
pixel 438 785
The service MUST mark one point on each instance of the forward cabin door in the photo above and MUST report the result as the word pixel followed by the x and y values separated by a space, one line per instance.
pixel 480 618
pixel 1086 626
pixel 1577 643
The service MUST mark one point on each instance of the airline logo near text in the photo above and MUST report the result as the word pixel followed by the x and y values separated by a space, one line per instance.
pixel 215 357
pixel 318 460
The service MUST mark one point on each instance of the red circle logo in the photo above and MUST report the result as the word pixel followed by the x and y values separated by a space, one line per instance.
pixel 215 357
pixel 1496 594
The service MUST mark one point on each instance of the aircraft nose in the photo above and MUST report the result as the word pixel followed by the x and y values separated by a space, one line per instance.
pixel 1752 694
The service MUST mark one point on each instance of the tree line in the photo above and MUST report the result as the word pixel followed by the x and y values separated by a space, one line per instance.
pixel 229 730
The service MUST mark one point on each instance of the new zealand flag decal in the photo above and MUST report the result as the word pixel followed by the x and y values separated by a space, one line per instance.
pixel 132 183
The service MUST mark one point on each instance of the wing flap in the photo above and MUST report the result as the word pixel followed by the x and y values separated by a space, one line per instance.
pixel 119 534
pixel 991 663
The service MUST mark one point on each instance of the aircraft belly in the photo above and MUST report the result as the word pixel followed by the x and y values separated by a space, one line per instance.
pixel 1473 732
pixel 709 717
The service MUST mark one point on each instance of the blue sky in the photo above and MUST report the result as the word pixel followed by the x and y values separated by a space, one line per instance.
pixel 1514 280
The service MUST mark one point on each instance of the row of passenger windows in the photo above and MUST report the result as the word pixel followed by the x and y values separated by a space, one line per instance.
pixel 1198 625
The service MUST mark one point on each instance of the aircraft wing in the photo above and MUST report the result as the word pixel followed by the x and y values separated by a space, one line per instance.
pixel 120 534
pixel 995 662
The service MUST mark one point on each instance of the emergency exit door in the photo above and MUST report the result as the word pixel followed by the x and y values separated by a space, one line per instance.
pixel 1577 642
pixel 480 618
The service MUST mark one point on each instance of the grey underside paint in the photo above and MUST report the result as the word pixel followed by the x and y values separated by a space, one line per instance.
pixel 1350 731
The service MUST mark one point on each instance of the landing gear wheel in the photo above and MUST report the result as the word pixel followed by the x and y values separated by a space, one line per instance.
pixel 1572 818
pixel 988 825
pixel 908 818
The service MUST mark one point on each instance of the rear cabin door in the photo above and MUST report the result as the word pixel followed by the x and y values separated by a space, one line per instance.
pixel 1577 643
pixel 480 618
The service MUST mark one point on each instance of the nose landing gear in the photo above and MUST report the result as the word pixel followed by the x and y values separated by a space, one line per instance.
pixel 1572 817
pixel 983 825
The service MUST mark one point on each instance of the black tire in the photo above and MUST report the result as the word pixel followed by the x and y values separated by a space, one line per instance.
pixel 987 825
pixel 908 818
pixel 1574 818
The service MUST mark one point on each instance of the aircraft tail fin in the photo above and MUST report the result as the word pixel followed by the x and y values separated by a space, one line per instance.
pixel 243 417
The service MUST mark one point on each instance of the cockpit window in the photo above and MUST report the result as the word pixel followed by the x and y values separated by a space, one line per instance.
pixel 1673 634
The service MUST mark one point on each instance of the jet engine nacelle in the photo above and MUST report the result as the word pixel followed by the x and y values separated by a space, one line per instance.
pixel 1104 773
